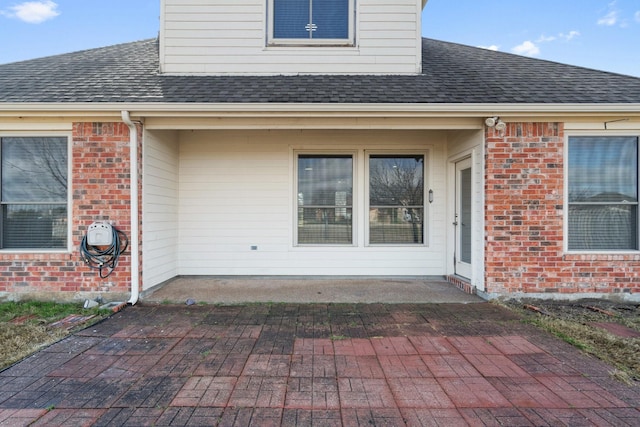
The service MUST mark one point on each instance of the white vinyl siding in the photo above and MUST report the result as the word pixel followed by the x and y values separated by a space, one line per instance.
pixel 160 207
pixel 237 204
pixel 230 37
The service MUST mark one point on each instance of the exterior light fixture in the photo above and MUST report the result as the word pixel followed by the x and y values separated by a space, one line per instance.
pixel 491 121
pixel 495 122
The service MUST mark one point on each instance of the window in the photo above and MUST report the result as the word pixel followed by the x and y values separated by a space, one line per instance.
pixel 325 199
pixel 603 193
pixel 396 199
pixel 33 192
pixel 391 200
pixel 311 21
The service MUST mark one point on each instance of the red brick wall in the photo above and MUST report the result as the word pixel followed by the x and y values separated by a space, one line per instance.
pixel 100 191
pixel 524 220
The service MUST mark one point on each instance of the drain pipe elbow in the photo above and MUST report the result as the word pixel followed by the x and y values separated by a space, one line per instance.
pixel 135 244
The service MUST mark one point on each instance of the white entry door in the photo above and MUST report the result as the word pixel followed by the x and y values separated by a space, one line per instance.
pixel 462 220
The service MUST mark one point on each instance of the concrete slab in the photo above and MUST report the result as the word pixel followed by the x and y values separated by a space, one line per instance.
pixel 298 289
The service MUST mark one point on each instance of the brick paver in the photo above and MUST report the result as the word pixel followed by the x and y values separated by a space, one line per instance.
pixel 314 365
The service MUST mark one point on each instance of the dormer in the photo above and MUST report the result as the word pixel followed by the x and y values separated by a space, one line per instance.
pixel 273 37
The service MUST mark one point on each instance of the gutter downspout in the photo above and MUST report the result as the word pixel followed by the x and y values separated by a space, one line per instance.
pixel 135 244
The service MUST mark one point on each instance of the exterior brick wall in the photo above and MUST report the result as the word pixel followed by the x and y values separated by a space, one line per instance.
pixel 524 221
pixel 100 191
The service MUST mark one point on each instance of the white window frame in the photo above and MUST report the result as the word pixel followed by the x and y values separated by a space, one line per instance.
pixel 425 202
pixel 52 134
pixel 349 41
pixel 566 203
pixel 354 190
pixel 360 197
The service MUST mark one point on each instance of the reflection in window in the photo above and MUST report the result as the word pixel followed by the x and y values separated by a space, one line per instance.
pixel 325 199
pixel 396 199
pixel 34 192
pixel 603 193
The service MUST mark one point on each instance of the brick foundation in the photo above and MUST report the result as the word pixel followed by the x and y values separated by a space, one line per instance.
pixel 100 191
pixel 524 221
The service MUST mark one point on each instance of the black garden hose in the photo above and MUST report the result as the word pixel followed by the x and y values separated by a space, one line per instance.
pixel 104 258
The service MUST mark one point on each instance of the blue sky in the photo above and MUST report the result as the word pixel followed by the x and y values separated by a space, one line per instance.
pixel 601 34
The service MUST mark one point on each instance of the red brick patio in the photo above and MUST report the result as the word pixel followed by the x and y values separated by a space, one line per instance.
pixel 314 364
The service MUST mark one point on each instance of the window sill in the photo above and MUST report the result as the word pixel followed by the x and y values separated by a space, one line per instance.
pixel 337 47
pixel 33 251
pixel 601 256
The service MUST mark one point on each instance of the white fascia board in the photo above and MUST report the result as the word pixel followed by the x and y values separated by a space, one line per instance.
pixel 142 109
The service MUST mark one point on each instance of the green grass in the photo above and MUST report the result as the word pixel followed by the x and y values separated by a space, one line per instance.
pixel 25 326
pixel 43 311
pixel 573 325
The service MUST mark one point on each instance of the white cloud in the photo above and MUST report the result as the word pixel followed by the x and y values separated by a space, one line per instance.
pixel 532 48
pixel 492 47
pixel 637 16
pixel 610 19
pixel 527 48
pixel 543 39
pixel 570 35
pixel 33 12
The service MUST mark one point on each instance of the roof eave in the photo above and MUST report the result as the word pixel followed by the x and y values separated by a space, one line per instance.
pixel 143 109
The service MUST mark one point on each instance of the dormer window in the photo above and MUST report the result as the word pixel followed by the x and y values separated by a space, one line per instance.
pixel 323 22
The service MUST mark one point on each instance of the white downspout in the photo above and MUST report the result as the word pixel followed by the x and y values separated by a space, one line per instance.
pixel 135 244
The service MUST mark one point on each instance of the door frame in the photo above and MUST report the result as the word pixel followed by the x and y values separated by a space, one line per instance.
pixel 462 219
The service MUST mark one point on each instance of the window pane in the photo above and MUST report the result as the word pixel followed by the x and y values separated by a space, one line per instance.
pixel 325 226
pixel 290 18
pixel 34 226
pixel 603 169
pixel 464 222
pixel 396 181
pixel 325 180
pixel 34 170
pixel 395 225
pixel 331 19
pixel 325 199
pixel 601 227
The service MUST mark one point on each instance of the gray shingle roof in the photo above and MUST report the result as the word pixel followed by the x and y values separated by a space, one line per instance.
pixel 452 73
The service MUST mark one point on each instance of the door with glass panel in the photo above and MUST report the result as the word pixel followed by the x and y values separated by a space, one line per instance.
pixel 462 220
